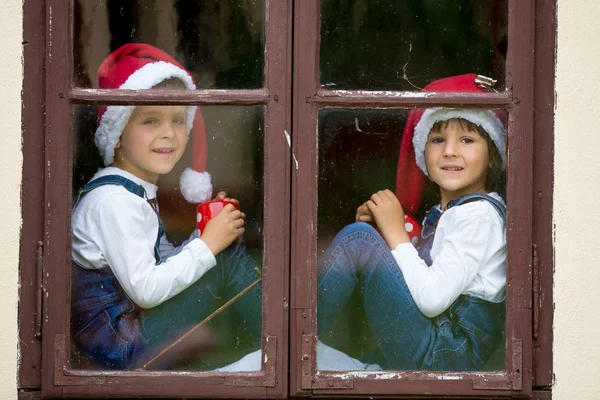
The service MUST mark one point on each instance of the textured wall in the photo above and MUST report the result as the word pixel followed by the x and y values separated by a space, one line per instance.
pixel 576 207
pixel 10 175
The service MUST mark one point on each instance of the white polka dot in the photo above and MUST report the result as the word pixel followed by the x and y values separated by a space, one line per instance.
pixel 198 217
pixel 414 240
pixel 409 227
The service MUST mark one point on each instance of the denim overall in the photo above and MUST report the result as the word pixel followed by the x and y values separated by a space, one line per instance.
pixel 462 338
pixel 471 325
pixel 105 323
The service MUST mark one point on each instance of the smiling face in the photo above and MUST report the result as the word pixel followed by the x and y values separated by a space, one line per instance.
pixel 457 159
pixel 153 141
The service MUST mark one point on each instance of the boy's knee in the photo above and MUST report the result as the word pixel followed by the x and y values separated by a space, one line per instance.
pixel 358 227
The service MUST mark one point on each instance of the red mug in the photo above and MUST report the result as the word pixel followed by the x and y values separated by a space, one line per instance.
pixel 205 211
pixel 413 228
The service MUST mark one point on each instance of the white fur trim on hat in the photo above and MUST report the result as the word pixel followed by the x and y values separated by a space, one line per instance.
pixel 195 186
pixel 486 119
pixel 115 118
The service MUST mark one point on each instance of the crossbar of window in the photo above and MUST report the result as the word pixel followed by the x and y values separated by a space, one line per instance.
pixel 160 96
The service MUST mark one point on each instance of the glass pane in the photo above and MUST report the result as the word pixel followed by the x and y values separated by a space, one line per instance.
pixel 134 296
pixel 403 45
pixel 418 282
pixel 221 43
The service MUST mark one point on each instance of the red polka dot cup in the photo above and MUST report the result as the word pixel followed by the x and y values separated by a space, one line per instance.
pixel 413 228
pixel 205 211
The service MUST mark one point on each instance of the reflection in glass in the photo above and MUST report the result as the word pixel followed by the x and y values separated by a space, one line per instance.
pixel 390 295
pixel 403 45
pixel 220 42
pixel 124 314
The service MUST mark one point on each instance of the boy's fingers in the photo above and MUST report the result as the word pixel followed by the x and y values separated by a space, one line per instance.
pixel 375 198
pixel 371 205
pixel 221 195
pixel 229 208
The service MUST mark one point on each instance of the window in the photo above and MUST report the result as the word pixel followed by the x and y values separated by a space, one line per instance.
pixel 356 74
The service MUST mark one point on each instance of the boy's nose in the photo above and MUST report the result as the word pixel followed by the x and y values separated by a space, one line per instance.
pixel 168 131
pixel 450 148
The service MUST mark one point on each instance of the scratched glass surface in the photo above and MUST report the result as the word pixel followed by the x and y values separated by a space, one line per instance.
pixel 215 339
pixel 220 42
pixel 359 151
pixel 403 45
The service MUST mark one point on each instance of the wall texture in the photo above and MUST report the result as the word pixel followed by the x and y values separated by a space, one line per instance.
pixel 576 210
pixel 10 198
pixel 577 194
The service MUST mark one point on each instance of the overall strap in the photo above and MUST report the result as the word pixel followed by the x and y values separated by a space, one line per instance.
pixel 128 184
pixel 433 216
pixel 133 188
pixel 498 206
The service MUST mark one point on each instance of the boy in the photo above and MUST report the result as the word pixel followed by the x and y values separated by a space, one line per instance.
pixel 133 292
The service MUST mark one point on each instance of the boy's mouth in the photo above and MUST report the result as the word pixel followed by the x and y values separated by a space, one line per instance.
pixel 164 150
pixel 452 169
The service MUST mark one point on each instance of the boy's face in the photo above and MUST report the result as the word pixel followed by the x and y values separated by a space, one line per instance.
pixel 153 141
pixel 457 160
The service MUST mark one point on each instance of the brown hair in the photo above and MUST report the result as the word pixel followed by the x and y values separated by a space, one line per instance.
pixel 171 83
pixel 495 178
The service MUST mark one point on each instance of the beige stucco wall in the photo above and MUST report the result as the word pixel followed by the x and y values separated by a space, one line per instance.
pixel 576 207
pixel 10 176
pixel 577 297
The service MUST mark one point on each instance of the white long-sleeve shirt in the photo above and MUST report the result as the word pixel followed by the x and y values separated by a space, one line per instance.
pixel 113 228
pixel 469 257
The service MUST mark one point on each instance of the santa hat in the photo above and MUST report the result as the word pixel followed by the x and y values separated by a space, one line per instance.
pixel 141 66
pixel 410 177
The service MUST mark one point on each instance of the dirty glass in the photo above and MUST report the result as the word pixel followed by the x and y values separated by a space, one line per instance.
pixel 220 42
pixel 411 308
pixel 122 314
pixel 404 44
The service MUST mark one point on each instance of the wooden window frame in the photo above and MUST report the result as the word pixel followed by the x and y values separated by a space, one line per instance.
pixel 524 244
pixel 33 314
pixel 53 241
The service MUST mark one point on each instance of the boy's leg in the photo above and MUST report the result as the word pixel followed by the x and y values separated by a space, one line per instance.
pixel 238 269
pixel 233 273
pixel 166 322
pixel 359 258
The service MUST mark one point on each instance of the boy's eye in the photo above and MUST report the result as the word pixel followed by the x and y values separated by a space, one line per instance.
pixel 179 121
pixel 150 121
pixel 436 139
pixel 468 140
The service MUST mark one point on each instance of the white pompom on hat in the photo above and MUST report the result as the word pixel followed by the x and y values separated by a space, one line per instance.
pixel 142 66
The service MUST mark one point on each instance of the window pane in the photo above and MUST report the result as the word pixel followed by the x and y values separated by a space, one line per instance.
pixel 220 42
pixel 133 296
pixel 411 286
pixel 403 45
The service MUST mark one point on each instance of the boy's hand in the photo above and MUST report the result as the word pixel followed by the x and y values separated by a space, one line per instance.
pixel 223 196
pixel 223 229
pixel 363 214
pixel 389 217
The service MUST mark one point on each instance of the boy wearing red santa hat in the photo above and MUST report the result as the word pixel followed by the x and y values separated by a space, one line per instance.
pixel 133 292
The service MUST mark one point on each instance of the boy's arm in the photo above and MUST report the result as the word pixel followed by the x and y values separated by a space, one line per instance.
pixel 465 248
pixel 126 231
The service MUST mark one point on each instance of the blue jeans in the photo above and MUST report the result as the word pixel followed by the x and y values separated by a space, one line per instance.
pixel 232 274
pixel 462 338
